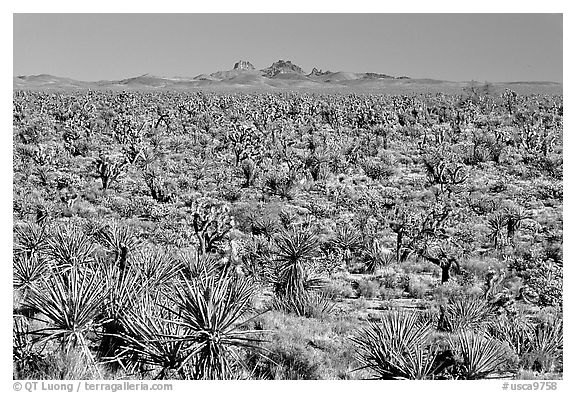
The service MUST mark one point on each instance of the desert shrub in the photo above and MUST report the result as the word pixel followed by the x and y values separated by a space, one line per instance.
pixel 303 348
pixel 287 364
pixel 309 305
pixel 61 365
pixel 376 169
pixel 389 277
pixel 542 278
pixel 548 190
pixel 390 293
pixel 448 290
pixel 367 288
pixel 417 286
pixel 338 289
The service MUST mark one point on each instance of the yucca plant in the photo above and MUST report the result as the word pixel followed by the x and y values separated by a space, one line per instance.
pixel 151 339
pixel 30 239
pixel 517 333
pixel 347 240
pixel 466 313
pixel 478 355
pixel 25 358
pixel 545 353
pixel 119 240
pixel 263 226
pixel 213 310
pixel 498 224
pixel 69 247
pixel 399 347
pixel 256 259
pixel 378 256
pixel 195 265
pixel 156 266
pixel 295 247
pixel 123 289
pixel 70 303
pixel 27 269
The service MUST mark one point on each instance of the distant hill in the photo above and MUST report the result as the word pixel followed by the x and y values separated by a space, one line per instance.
pixel 282 74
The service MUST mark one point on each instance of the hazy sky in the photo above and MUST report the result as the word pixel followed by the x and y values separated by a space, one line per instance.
pixel 458 47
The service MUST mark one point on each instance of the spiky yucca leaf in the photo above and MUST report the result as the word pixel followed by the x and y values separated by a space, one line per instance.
pixel 517 333
pixel 195 265
pixel 70 302
pixel 378 256
pixel 296 246
pixel 549 335
pixel 25 358
pixel 466 313
pixel 156 266
pixel 123 289
pixel 213 311
pixel 416 363
pixel 547 346
pixel 478 355
pixel 151 338
pixel 30 239
pixel 69 247
pixel 398 347
pixel 28 269
pixel 117 238
pixel 347 238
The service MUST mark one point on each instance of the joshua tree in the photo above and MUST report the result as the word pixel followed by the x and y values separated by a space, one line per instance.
pixel 109 168
pixel 211 222
pixel 445 174
pixel 444 258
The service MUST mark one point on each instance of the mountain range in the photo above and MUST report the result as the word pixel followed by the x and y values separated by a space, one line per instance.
pixel 281 74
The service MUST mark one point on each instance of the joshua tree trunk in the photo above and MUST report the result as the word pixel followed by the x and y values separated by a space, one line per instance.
pixel 445 273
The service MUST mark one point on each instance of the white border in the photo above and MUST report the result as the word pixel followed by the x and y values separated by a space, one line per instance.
pixel 289 6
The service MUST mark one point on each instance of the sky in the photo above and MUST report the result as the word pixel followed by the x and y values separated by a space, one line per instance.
pixel 455 47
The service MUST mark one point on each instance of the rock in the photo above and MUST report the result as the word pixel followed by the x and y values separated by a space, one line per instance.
pixel 243 65
pixel 282 67
pixel 317 72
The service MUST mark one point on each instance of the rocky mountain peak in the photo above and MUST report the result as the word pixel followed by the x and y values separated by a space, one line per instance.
pixel 317 72
pixel 243 65
pixel 282 67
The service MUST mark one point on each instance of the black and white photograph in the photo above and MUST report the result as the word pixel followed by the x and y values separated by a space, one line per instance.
pixel 286 196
